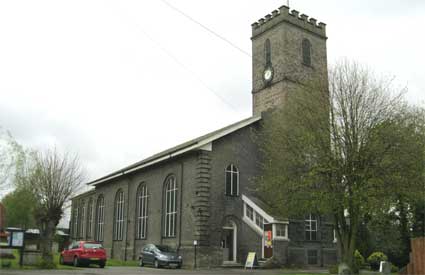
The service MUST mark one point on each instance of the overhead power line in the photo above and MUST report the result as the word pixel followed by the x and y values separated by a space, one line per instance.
pixel 186 68
pixel 206 28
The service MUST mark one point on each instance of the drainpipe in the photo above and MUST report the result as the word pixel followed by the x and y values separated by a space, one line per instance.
pixel 181 205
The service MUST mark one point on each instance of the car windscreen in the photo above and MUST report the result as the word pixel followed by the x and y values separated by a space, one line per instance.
pixel 93 245
pixel 164 248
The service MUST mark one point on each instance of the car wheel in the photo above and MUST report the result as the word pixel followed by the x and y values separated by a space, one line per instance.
pixel 156 263
pixel 141 262
pixel 102 265
pixel 61 262
pixel 76 262
pixel 179 266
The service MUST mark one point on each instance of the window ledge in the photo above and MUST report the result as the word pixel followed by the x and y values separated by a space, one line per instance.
pixel 307 65
pixel 281 239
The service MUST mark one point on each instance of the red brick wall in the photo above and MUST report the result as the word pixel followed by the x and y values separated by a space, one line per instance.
pixel 2 216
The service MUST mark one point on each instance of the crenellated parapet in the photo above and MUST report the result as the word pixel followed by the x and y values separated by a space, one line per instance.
pixel 284 14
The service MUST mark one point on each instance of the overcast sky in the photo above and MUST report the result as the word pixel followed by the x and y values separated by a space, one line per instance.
pixel 117 81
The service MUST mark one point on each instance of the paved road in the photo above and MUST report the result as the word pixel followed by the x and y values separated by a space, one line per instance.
pixel 144 271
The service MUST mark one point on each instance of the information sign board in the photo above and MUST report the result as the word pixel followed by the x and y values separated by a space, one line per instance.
pixel 251 260
pixel 17 238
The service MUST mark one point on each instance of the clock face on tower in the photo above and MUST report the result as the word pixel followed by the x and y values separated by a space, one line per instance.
pixel 268 75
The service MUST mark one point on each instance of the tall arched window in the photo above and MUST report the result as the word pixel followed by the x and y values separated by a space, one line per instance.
pixel 267 52
pixel 306 50
pixel 82 229
pixel 232 180
pixel 170 207
pixel 89 218
pixel 142 211
pixel 100 218
pixel 119 216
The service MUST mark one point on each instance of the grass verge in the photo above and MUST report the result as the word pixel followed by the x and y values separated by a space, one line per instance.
pixel 114 262
pixel 14 263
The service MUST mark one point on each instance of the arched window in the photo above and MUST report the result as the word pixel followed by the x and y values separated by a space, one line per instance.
pixel 82 218
pixel 89 218
pixel 119 215
pixel 75 222
pixel 142 211
pixel 232 180
pixel 306 50
pixel 100 218
pixel 267 53
pixel 170 207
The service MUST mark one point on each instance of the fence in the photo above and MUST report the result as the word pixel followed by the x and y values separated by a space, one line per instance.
pixel 417 257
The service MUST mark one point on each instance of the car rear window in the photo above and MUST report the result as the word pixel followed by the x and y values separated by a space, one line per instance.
pixel 93 245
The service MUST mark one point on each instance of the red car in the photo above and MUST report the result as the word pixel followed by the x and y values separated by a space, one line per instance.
pixel 84 253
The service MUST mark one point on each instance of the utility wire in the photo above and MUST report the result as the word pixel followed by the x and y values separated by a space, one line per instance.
pixel 206 28
pixel 212 32
pixel 186 68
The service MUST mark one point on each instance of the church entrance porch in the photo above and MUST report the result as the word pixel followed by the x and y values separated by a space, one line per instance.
pixel 268 241
pixel 229 242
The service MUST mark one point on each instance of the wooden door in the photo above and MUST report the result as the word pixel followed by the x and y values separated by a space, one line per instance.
pixel 268 240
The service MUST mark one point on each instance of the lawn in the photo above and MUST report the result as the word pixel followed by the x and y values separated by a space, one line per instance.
pixel 114 262
pixel 15 262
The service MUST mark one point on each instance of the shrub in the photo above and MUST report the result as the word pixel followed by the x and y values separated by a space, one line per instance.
pixel 333 269
pixel 42 264
pixel 375 258
pixel 394 268
pixel 358 260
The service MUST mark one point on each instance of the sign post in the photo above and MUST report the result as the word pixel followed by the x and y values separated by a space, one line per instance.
pixel 195 244
pixel 251 260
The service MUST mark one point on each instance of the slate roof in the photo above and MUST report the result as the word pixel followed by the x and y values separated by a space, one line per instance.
pixel 190 145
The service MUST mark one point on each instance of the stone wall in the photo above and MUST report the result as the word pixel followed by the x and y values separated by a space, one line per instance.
pixel 285 30
pixel 184 170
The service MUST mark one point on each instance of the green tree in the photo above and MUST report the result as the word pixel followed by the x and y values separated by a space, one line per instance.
pixel 19 205
pixel 418 223
pixel 345 147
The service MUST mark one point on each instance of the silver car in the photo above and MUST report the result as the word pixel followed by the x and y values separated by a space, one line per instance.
pixel 159 255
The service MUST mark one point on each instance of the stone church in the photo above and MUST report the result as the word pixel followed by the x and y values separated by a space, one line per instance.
pixel 202 189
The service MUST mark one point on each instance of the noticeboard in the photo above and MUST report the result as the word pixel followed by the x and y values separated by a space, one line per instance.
pixel 17 239
pixel 251 260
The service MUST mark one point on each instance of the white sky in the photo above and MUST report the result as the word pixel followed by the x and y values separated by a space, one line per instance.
pixel 117 81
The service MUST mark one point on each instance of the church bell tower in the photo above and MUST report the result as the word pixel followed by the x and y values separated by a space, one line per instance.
pixel 288 49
